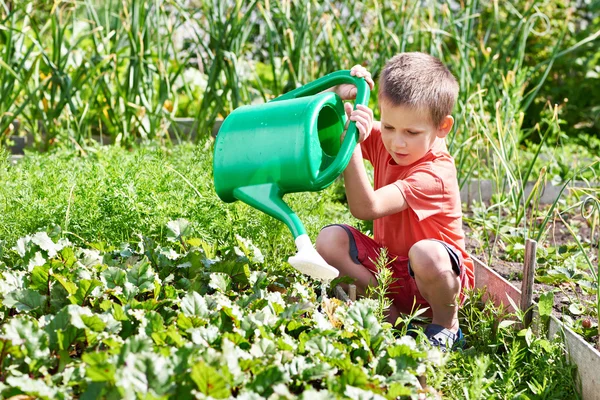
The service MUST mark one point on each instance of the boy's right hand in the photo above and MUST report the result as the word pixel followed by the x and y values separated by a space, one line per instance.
pixel 363 116
pixel 347 91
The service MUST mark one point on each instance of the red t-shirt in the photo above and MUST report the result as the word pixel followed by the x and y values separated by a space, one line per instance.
pixel 431 190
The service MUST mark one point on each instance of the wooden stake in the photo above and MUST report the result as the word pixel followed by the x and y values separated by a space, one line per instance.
pixel 528 278
pixel 340 294
pixel 352 292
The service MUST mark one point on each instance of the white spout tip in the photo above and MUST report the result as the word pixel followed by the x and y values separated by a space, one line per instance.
pixel 309 261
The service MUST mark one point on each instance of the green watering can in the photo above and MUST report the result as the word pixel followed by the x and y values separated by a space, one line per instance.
pixel 290 144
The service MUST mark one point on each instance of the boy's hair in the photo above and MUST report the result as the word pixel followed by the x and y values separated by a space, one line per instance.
pixel 420 81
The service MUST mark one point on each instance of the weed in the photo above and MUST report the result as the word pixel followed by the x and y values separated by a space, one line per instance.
pixel 381 291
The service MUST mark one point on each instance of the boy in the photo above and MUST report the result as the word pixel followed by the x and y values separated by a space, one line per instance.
pixel 415 201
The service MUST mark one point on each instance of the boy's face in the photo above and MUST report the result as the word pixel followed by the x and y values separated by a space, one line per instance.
pixel 408 133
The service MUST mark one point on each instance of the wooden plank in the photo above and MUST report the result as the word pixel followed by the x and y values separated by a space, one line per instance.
pixel 498 288
pixel 585 356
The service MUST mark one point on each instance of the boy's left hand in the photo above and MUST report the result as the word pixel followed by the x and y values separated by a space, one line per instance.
pixel 347 91
pixel 363 116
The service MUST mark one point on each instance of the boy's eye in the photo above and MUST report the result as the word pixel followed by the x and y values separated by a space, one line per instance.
pixel 413 133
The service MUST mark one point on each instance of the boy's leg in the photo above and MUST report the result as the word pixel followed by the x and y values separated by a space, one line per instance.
pixel 437 281
pixel 333 244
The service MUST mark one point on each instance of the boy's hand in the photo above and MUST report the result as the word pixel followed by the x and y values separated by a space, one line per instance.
pixel 363 116
pixel 347 91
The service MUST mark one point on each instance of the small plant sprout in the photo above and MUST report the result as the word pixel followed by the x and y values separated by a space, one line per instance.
pixel 384 280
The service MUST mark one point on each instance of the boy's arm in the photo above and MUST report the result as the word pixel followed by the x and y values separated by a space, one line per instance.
pixel 364 202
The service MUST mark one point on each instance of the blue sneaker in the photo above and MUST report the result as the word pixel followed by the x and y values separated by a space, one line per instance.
pixel 443 338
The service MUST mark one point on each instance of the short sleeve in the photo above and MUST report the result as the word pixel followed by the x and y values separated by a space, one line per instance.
pixel 424 192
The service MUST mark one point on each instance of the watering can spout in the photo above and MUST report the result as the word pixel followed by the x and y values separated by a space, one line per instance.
pixel 267 197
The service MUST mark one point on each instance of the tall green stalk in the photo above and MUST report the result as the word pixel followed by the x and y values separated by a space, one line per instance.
pixel 223 39
pixel 14 74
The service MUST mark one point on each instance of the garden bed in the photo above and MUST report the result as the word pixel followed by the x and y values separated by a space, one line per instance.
pixel 586 357
pixel 562 266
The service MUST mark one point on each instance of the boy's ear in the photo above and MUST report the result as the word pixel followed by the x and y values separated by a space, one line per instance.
pixel 445 126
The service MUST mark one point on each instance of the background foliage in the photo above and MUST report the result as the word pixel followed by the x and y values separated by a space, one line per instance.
pixel 70 69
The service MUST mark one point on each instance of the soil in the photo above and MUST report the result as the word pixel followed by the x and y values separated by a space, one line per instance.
pixel 512 271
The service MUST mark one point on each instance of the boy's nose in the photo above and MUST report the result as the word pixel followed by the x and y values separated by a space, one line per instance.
pixel 400 143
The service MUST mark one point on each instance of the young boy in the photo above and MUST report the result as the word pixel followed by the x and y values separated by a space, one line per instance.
pixel 415 201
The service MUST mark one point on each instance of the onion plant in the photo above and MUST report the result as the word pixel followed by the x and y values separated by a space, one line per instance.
pixel 15 70
pixel 135 41
pixel 222 39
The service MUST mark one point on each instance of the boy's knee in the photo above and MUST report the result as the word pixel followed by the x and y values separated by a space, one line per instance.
pixel 430 256
pixel 331 239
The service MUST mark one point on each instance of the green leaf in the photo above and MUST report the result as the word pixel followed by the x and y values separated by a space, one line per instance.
pixel 577 308
pixel 62 322
pixel 177 229
pixel 146 372
pixel 134 345
pixel 85 289
pixel 184 322
pixel 114 277
pixel 154 322
pixel 529 337
pixel 24 300
pixel 220 282
pixel 93 322
pixel 118 313
pixel 545 304
pixel 317 371
pixel 588 287
pixel 39 278
pixel 157 289
pixel 399 390
pixel 66 338
pixel 506 323
pixel 239 272
pixel 68 258
pixel 193 304
pixel 320 344
pixel 98 368
pixel 45 243
pixel 34 387
pixel 142 276
pixel 364 318
pixel 26 335
pixel 209 381
pixel 263 382
pixel 546 345
pixel 355 376
pixel 194 242
pixel 70 287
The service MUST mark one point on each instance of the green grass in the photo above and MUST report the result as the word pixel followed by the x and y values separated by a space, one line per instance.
pixel 111 195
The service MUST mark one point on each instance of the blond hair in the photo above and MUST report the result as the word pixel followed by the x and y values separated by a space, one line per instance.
pixel 419 81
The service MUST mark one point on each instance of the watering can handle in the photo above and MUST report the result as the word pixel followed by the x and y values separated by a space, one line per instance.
pixel 350 140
